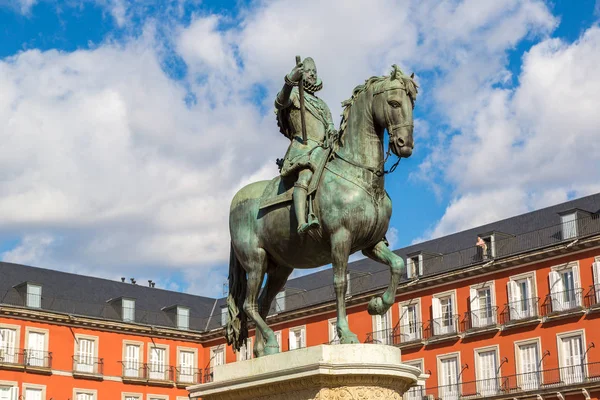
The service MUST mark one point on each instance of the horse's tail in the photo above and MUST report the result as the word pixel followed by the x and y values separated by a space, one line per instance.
pixel 237 323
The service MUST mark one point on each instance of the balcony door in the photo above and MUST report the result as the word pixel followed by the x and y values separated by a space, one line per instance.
pixel 85 356
pixel 529 360
pixel 449 389
pixel 186 366
pixel 572 365
pixel 132 361
pixel 9 393
pixel 157 363
pixel 487 381
pixel 35 349
pixel 410 329
pixel 382 326
pixel 521 299
pixel 7 346
pixel 443 315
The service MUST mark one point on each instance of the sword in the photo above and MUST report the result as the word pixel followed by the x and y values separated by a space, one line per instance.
pixel 301 93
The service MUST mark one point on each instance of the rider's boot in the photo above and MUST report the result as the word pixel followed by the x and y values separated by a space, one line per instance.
pixel 299 196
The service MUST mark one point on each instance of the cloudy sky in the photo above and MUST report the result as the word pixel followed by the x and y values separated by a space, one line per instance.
pixel 127 126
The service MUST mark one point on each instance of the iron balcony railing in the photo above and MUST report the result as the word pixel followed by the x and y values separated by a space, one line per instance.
pixel 407 333
pixel 446 325
pixel 580 374
pixel 414 393
pixel 159 372
pixel 188 375
pixel 133 370
pixel 520 310
pixel 558 302
pixel 482 318
pixel 592 297
pixel 208 375
pixel 38 358
pixel 88 365
pixel 12 356
pixel 384 336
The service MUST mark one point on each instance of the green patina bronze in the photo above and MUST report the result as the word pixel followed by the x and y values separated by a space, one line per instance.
pixel 273 227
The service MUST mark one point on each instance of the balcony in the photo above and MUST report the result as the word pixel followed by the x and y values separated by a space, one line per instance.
pixel 186 376
pixel 592 299
pixel 160 374
pixel 441 329
pixel 520 313
pixel 537 382
pixel 12 358
pixel 88 367
pixel 133 372
pixel 38 361
pixel 387 337
pixel 403 336
pixel 414 393
pixel 208 375
pixel 481 321
pixel 563 304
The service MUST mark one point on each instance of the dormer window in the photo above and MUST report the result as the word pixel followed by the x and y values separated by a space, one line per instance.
pixel 128 310
pixel 486 246
pixel 348 284
pixel 280 301
pixel 224 316
pixel 34 296
pixel 183 318
pixel 569 225
pixel 414 265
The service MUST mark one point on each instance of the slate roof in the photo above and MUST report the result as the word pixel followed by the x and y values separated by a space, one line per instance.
pixel 88 296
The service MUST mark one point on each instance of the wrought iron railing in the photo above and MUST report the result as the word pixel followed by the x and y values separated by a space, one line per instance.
pixel 88 365
pixel 38 358
pixel 208 375
pixel 482 318
pixel 414 393
pixel 12 356
pixel 133 370
pixel 188 375
pixel 411 332
pixel 581 374
pixel 385 336
pixel 159 372
pixel 566 300
pixel 520 310
pixel 442 326
pixel 592 297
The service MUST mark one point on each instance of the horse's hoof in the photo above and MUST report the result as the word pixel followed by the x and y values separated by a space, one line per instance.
pixel 375 306
pixel 349 339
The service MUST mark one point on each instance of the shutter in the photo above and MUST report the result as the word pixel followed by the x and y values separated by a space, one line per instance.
pixel 436 308
pixel 513 298
pixel 303 337
pixel 474 314
pixel 556 287
pixel 15 393
pixel 404 319
pixel 410 265
pixel 576 285
pixel 292 340
pixel 596 271
pixel 420 264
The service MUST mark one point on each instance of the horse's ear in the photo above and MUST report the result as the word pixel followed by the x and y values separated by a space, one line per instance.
pixel 394 74
pixel 412 76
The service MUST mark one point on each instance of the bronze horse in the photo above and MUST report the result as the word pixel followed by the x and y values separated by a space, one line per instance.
pixel 354 211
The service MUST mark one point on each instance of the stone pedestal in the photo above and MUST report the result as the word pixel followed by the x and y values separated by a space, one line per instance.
pixel 344 372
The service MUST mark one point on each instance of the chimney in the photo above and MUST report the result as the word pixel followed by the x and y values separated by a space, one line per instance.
pixel 149 282
pixel 132 281
pixel 122 279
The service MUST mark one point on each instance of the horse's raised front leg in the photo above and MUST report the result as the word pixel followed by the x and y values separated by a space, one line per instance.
pixel 381 253
pixel 340 251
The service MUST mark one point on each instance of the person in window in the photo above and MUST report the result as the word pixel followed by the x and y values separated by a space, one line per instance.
pixel 481 243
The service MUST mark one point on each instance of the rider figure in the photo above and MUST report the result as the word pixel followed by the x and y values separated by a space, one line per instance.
pixel 301 159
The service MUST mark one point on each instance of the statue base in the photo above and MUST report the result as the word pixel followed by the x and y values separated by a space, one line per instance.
pixel 351 371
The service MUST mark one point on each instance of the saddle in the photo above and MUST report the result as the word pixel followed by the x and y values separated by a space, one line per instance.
pixel 280 190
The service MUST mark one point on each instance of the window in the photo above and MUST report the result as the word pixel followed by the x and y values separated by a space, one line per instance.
pixel 224 316
pixel 486 371
pixel 34 296
pixel 596 273
pixel 278 338
pixel 36 349
pixel 157 397
pixel 297 338
pixel 187 366
pixel 571 354
pixel 245 352
pixel 128 311
pixel 217 356
pixel 382 325
pixel 448 374
pixel 564 287
pixel 132 365
pixel 9 391
pixel 84 394
pixel 157 368
pixel 34 393
pixel 569 225
pixel 414 266
pixel 523 302
pixel 444 320
pixel 528 365
pixel 332 329
pixel 131 396
pixel 183 318
pixel 483 311
pixel 416 392
pixel 280 301
pixel 85 354
pixel 9 352
pixel 410 322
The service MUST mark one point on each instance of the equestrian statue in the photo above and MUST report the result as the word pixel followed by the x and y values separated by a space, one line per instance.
pixel 328 202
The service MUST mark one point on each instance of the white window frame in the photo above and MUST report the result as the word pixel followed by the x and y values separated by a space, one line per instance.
pixel 161 373
pixel 380 334
pixel 569 221
pixel 224 316
pixel 406 336
pixel 76 352
pixel 140 361
pixel 488 388
pixel 14 346
pixel 127 313
pixel 125 395
pixel 295 330
pixel 14 386
pixel 561 357
pixel 213 352
pixel 157 397
pixel 46 333
pixel 194 366
pixel 280 301
pixel 528 381
pixel 439 359
pixel 557 291
pixel 410 265
pixel 32 386
pixel 245 352
pixel 596 277
pixel 437 313
pixel 474 304
pixel 183 317
pixel 513 298
pixel 33 300
pixel 332 330
pixel 410 395
pixel 78 391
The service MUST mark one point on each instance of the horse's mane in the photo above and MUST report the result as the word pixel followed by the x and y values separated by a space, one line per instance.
pixel 411 87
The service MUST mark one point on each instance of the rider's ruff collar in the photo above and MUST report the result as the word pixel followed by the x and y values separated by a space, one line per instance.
pixel 312 88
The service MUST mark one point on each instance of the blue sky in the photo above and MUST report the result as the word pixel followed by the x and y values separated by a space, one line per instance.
pixel 128 125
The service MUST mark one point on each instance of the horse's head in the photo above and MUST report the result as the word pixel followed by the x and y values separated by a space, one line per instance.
pixel 393 102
